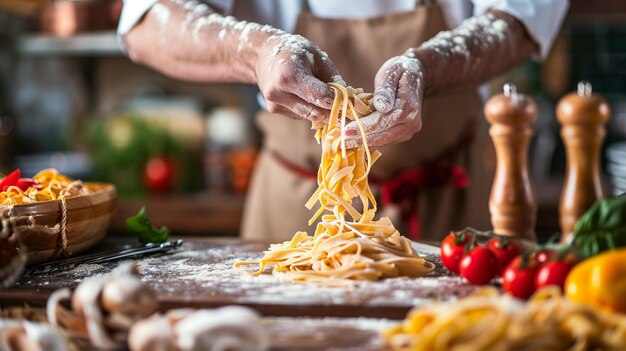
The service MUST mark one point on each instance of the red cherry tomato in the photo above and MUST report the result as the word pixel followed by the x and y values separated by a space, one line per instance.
pixel 552 273
pixel 453 248
pixel 159 174
pixel 519 281
pixel 544 256
pixel 504 250
pixel 478 266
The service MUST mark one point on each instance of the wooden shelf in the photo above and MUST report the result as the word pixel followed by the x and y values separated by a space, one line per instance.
pixel 86 44
pixel 192 214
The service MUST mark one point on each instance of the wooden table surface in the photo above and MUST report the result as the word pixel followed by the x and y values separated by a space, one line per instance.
pixel 200 275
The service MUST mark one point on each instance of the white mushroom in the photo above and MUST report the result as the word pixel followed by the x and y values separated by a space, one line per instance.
pixel 152 334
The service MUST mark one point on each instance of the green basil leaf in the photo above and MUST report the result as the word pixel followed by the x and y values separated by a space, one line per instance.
pixel 141 227
pixel 602 227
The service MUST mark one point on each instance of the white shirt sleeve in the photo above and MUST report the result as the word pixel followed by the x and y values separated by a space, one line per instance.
pixel 542 18
pixel 132 12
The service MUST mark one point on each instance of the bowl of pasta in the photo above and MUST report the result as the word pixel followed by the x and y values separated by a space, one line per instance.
pixel 53 216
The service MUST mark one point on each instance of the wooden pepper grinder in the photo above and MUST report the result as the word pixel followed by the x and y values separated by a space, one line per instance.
pixel 512 202
pixel 583 117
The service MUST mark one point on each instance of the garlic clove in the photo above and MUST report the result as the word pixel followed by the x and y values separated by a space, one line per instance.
pixel 152 334
pixel 87 293
pixel 104 308
pixel 27 336
pixel 228 328
pixel 62 318
pixel 45 337
pixel 127 295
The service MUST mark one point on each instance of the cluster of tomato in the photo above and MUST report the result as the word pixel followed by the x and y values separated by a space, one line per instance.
pixel 522 271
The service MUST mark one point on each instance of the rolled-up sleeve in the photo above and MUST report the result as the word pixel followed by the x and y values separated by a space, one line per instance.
pixel 132 12
pixel 542 18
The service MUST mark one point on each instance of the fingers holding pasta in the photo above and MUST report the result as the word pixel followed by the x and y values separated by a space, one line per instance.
pixel 398 103
pixel 294 107
pixel 349 245
pixel 291 73
pixel 397 133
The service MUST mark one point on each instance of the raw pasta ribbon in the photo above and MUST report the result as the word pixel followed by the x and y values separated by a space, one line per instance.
pixel 349 244
pixel 489 321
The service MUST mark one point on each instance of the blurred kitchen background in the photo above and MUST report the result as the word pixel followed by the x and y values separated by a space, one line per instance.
pixel 71 100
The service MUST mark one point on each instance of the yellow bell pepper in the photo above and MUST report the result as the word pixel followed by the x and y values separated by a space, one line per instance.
pixel 600 282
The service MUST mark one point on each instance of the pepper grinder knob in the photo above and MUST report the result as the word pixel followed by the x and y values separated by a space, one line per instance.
pixel 583 116
pixel 512 202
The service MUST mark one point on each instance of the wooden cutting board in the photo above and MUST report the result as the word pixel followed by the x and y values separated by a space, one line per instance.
pixel 200 275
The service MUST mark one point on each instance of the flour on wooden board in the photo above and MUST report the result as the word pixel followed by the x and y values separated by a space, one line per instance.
pixel 210 272
pixel 201 270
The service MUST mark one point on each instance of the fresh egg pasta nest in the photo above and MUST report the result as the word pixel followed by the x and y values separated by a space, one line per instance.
pixel 348 245
pixel 489 321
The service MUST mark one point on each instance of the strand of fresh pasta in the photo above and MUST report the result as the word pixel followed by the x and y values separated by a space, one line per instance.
pixel 344 250
pixel 489 321
pixel 53 186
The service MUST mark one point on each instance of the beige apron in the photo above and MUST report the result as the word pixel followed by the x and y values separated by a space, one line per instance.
pixel 275 209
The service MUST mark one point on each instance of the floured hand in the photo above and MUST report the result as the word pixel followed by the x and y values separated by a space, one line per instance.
pixel 291 73
pixel 398 102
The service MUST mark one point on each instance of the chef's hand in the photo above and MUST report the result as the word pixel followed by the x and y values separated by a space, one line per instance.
pixel 397 99
pixel 292 73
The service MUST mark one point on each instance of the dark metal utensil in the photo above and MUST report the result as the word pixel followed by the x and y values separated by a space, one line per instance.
pixel 69 263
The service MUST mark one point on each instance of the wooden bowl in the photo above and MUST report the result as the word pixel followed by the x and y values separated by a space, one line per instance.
pixel 88 217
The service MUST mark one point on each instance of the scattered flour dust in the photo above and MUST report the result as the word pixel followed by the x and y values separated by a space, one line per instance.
pixel 447 43
pixel 161 13
pixel 200 17
pixel 310 57
pixel 203 270
pixel 222 34
pixel 200 270
pixel 338 79
pixel 66 278
pixel 492 30
pixel 202 23
pixel 500 25
pixel 197 271
pixel 407 70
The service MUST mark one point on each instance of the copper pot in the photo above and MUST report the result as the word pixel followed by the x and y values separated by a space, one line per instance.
pixel 67 17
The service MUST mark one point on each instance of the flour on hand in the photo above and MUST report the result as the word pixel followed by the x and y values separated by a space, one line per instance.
pixel 491 30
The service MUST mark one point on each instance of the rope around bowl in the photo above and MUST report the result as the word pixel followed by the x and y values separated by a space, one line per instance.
pixel 16 225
